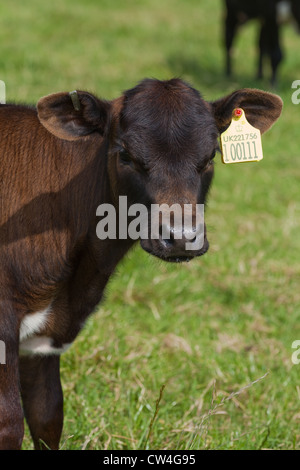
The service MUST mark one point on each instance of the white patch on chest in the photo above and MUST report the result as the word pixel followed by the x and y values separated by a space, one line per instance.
pixel 34 323
pixel 41 345
pixel 30 343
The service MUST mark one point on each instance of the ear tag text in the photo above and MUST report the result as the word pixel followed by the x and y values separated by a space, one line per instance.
pixel 241 142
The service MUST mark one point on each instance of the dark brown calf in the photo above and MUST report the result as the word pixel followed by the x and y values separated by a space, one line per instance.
pixel 58 163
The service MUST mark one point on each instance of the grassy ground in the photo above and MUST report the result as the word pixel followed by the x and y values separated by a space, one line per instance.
pixel 177 356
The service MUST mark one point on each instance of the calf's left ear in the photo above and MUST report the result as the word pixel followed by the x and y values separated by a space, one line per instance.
pixel 262 109
pixel 71 116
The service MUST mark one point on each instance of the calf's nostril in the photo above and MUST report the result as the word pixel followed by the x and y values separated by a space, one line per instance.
pixel 167 242
pixel 166 235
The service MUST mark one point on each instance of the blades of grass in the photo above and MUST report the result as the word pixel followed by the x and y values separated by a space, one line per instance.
pixel 147 441
pixel 203 426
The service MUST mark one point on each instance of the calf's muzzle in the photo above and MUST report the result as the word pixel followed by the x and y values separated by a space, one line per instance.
pixel 175 241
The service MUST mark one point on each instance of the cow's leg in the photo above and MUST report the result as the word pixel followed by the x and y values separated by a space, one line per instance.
pixel 231 23
pixel 269 44
pixel 263 50
pixel 42 399
pixel 275 54
pixel 11 414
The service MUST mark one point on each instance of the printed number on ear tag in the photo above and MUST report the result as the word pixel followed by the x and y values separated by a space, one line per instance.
pixel 241 142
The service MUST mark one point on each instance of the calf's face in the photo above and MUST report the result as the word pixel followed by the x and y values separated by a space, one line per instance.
pixel 161 138
pixel 162 153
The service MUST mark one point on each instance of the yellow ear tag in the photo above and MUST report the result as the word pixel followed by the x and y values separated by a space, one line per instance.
pixel 241 142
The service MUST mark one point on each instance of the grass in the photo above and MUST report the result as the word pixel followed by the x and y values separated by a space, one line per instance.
pixel 196 356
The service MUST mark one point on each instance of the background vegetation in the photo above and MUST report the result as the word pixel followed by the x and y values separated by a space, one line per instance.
pixel 177 356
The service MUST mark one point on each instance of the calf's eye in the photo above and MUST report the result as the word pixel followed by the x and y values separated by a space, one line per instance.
pixel 125 157
pixel 213 155
pixel 211 160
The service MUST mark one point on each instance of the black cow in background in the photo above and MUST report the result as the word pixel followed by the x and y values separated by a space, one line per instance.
pixel 271 14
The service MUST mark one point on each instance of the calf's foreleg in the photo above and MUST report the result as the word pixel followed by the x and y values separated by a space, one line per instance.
pixel 11 414
pixel 42 398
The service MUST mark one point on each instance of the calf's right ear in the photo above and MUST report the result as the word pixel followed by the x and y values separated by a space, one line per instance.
pixel 71 116
pixel 261 108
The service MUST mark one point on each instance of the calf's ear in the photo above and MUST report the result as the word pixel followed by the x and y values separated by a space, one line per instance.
pixel 262 109
pixel 73 115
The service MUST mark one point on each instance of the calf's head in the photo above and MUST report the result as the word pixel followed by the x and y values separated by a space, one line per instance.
pixel 161 139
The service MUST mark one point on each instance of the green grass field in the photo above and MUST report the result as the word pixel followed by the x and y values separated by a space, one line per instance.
pixel 198 355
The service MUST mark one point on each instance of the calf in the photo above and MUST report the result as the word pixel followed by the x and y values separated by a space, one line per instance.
pixel 59 163
pixel 268 12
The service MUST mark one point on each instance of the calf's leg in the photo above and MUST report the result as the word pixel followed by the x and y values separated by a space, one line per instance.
pixel 42 399
pixel 11 414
